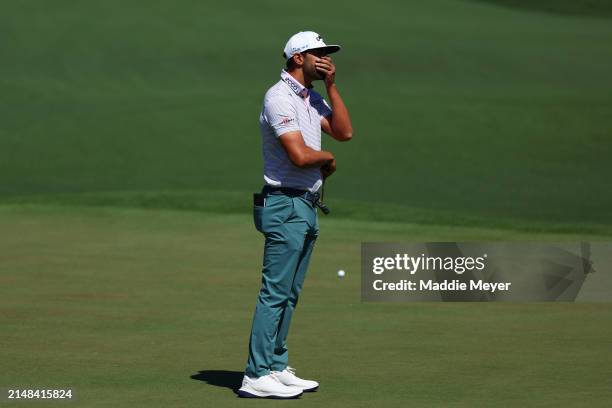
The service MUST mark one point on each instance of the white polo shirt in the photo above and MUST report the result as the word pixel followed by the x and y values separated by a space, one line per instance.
pixel 288 106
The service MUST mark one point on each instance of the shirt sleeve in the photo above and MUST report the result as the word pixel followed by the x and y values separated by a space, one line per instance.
pixel 281 115
pixel 320 104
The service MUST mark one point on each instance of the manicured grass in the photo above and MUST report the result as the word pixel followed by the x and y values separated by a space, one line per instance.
pixel 458 106
pixel 237 202
pixel 591 8
pixel 143 308
pixel 129 148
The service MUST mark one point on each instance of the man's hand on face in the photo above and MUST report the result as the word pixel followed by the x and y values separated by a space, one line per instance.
pixel 327 67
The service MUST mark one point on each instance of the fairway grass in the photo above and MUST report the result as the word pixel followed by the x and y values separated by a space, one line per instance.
pixel 239 202
pixel 458 106
pixel 152 308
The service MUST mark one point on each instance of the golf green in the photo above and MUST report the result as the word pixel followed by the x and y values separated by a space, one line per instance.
pixel 132 307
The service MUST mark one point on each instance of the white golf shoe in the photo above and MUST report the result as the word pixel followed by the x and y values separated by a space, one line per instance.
pixel 267 386
pixel 288 377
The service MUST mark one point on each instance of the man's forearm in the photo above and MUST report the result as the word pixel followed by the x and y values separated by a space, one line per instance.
pixel 313 158
pixel 341 121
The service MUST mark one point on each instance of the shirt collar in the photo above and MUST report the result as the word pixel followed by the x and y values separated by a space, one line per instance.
pixel 295 86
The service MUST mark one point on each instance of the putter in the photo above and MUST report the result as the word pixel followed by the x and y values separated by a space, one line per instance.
pixel 320 203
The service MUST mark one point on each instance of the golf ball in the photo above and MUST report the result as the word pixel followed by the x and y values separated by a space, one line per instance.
pixel 341 273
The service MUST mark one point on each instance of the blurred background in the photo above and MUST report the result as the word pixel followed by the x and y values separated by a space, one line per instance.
pixel 490 112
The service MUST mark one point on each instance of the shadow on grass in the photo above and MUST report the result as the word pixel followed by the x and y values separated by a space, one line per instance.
pixel 221 378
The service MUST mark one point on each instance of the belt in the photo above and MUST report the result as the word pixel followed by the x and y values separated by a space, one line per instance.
pixel 314 198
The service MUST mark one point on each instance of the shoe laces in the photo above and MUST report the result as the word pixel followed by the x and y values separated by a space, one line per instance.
pixel 289 369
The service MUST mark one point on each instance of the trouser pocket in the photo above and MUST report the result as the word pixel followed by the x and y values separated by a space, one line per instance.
pixel 277 209
pixel 257 214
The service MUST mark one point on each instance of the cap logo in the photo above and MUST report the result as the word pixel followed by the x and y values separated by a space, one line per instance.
pixel 298 49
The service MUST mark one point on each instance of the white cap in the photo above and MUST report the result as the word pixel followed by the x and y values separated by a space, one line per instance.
pixel 306 40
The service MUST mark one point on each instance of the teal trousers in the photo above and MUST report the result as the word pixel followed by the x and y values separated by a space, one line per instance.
pixel 289 224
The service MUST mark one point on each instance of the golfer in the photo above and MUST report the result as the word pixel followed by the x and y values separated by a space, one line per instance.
pixel 285 211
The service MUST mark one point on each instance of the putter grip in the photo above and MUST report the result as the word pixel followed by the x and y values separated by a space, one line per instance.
pixel 323 207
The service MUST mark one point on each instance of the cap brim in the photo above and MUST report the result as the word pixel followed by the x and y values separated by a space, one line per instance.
pixel 330 49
